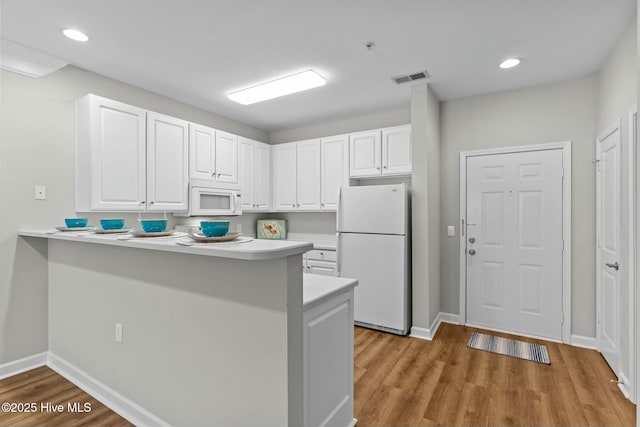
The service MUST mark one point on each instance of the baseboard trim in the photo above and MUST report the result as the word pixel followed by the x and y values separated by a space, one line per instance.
pixel 584 342
pixel 623 385
pixel 118 403
pixel 428 334
pixel 22 365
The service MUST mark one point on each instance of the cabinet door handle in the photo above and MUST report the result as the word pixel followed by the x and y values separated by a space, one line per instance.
pixel 213 174
pixel 378 167
pixel 322 205
pixel 142 202
pixel 150 203
pixel 385 167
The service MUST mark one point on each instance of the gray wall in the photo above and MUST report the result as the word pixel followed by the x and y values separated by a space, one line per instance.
pixel 425 206
pixel 37 146
pixel 563 111
pixel 617 93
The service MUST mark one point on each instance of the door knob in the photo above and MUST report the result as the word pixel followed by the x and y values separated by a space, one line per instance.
pixel 615 266
pixel 472 251
pixel 472 239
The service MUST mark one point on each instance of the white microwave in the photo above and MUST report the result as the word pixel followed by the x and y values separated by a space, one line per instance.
pixel 207 199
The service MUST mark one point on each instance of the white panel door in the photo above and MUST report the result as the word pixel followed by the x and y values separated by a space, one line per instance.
pixel 226 157
pixel 262 177
pixel 609 247
pixel 284 177
pixel 167 163
pixel 332 171
pixel 118 147
pixel 396 150
pixel 364 154
pixel 378 262
pixel 308 171
pixel 514 242
pixel 246 172
pixel 202 141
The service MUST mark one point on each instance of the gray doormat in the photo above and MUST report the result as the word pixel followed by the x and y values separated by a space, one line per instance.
pixel 521 350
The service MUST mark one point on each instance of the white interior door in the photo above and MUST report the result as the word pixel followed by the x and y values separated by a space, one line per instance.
pixel 608 205
pixel 514 242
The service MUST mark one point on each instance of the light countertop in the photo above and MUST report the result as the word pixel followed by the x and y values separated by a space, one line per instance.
pixel 317 288
pixel 246 250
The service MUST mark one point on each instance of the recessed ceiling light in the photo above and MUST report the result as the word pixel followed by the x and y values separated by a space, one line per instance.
pixel 510 63
pixel 279 87
pixel 76 35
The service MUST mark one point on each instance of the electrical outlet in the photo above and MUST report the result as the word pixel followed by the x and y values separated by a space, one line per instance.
pixel 451 231
pixel 40 192
pixel 119 333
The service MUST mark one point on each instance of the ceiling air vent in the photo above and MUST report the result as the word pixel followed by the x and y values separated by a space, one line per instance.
pixel 411 77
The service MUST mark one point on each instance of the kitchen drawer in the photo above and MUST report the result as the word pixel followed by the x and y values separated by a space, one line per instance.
pixel 325 268
pixel 322 255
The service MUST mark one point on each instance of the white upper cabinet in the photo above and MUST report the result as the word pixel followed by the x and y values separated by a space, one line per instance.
pixel 202 152
pixel 333 170
pixel 308 175
pixel 396 150
pixel 226 157
pixel 213 154
pixel 382 152
pixel 262 193
pixel 254 175
pixel 129 159
pixel 285 195
pixel 167 163
pixel 364 154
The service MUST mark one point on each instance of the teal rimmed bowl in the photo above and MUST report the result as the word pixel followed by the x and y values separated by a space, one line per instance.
pixel 153 225
pixel 76 222
pixel 214 228
pixel 112 223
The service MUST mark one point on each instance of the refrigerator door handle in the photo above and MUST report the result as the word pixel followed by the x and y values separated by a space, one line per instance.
pixel 338 255
pixel 338 209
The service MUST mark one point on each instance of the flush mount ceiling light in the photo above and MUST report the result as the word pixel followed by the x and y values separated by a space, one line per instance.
pixel 510 63
pixel 279 87
pixel 76 35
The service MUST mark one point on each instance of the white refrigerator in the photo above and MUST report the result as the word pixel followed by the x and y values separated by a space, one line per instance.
pixel 374 248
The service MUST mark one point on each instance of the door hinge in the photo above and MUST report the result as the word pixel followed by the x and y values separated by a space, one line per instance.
pixel 562 319
pixel 563 245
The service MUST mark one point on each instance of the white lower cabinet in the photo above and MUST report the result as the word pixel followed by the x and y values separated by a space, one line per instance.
pixel 321 262
pixel 328 362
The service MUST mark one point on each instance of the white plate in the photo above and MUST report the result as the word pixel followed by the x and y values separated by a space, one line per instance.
pixel 192 242
pixel 140 233
pixel 63 228
pixel 205 239
pixel 98 230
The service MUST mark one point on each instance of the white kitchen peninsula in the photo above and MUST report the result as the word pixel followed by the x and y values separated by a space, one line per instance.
pixel 212 335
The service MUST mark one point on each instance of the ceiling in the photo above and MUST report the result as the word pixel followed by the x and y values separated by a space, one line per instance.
pixel 197 51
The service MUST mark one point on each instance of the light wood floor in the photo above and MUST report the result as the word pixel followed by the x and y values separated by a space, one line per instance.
pixel 43 385
pixel 403 381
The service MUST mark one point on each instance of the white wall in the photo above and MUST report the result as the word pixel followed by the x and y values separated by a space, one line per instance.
pixel 617 93
pixel 563 111
pixel 37 146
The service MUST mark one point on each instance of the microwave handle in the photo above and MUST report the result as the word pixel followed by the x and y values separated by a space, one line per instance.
pixel 235 202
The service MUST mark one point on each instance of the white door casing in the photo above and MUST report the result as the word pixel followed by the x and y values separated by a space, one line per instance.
pixel 531 264
pixel 634 212
pixel 608 219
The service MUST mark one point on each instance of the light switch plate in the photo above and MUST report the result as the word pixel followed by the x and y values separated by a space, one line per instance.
pixel 40 192
pixel 451 231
